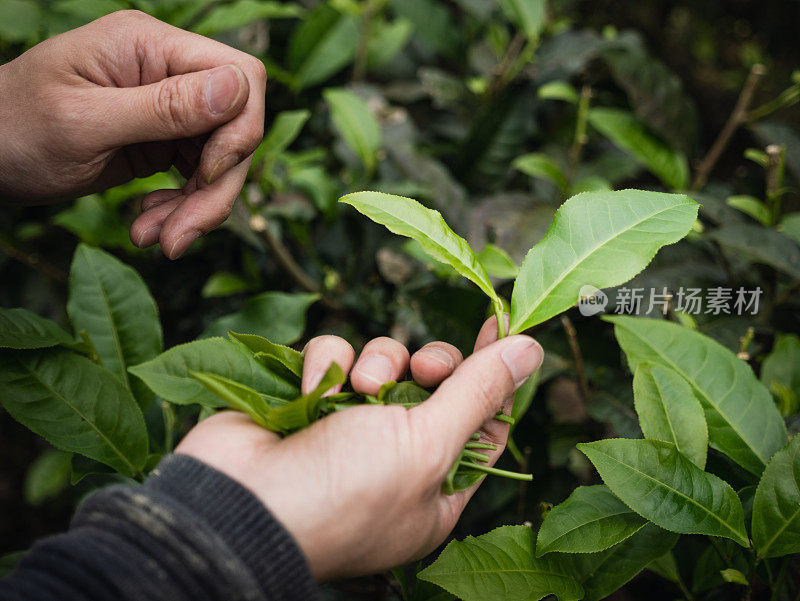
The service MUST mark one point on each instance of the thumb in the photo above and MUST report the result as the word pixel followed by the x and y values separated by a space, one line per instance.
pixel 181 106
pixel 476 390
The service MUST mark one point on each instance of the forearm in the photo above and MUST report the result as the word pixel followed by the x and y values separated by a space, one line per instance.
pixel 189 533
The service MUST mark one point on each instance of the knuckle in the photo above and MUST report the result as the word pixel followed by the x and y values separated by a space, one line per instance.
pixel 170 106
pixel 258 68
pixel 129 14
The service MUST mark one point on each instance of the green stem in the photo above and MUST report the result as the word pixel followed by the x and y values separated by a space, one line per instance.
pixel 475 455
pixel 169 424
pixel 496 472
pixel 475 436
pixel 580 139
pixel 514 450
pixel 502 417
pixel 501 319
pixel 480 445
pixel 788 97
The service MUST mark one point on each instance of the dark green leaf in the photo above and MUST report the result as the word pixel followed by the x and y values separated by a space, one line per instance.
pixel 742 419
pixel 48 476
pixel 603 573
pixel 355 123
pixel 776 508
pixel 109 301
pixel 243 12
pixel 322 45
pixel 782 365
pixel 76 405
pixel 629 134
pixel 662 485
pixel 21 329
pixel 224 284
pixel 284 130
pixel 406 393
pixel 168 374
pixel 760 245
pixel 669 411
pixel 592 519
pixel 278 316
pixel 501 565
pixel 20 20
pixel 790 226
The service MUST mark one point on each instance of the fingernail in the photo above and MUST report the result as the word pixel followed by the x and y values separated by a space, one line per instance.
pixel 149 236
pixel 522 357
pixel 181 244
pixel 222 89
pixel 439 355
pixel 221 167
pixel 376 368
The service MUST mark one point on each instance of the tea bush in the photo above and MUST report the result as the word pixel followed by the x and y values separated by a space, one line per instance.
pixel 506 117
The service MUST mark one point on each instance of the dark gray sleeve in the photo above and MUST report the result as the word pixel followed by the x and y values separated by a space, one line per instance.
pixel 189 533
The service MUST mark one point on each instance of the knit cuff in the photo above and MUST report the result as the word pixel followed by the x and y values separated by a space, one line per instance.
pixel 241 520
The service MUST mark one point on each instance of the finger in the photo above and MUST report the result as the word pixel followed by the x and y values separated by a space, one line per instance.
pixel 488 332
pixel 434 362
pixel 176 107
pixel 477 389
pixel 320 353
pixel 159 197
pixel 146 228
pixel 201 210
pixel 383 359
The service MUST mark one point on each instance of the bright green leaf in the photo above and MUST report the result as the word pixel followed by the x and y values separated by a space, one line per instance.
pixel 790 226
pixel 76 405
pixel 497 262
pixel 629 134
pixel 402 393
pixel 776 508
pixel 407 217
pixel 387 40
pixel 110 302
pixel 278 359
pixel 168 374
pixel 669 411
pixel 21 329
pixel 734 576
pixel 558 90
pixel 540 165
pixel 742 419
pixel 278 316
pixel 620 232
pixel 752 206
pixel 529 15
pixel 663 486
pixel 355 123
pixel 300 412
pixel 592 519
pixel 237 396
pixel 501 565
pixel 243 12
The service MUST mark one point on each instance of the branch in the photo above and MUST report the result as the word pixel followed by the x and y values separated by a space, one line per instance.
pixel 577 358
pixel 737 117
pixel 289 265
pixel 34 261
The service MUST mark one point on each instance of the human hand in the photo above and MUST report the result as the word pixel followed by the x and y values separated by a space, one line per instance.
pixel 360 490
pixel 127 96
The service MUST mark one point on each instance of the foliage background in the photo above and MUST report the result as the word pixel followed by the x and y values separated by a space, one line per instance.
pixel 453 91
